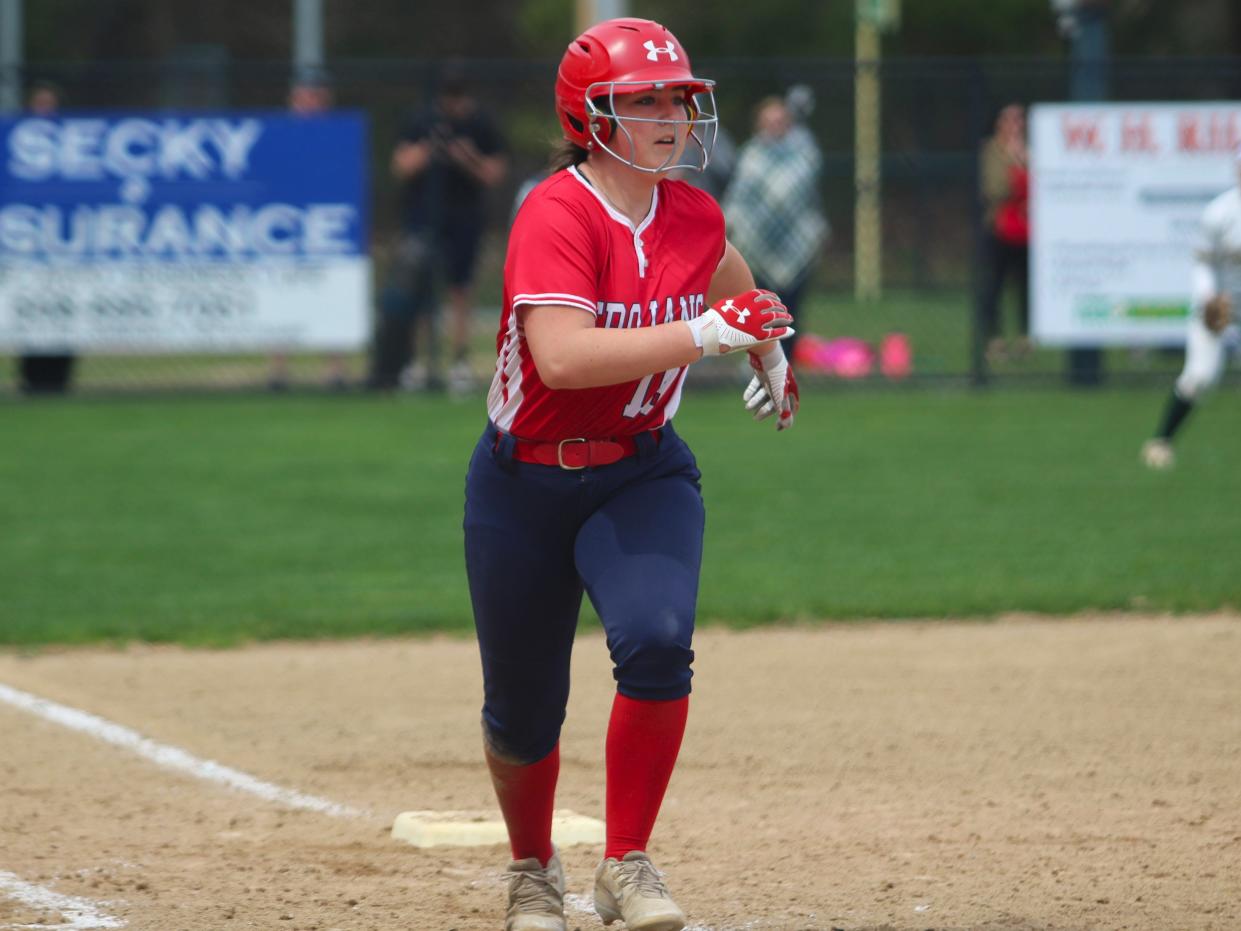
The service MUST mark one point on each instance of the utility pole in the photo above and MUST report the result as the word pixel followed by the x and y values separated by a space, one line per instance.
pixel 1085 24
pixel 307 35
pixel 589 12
pixel 873 16
pixel 11 36
pixel 867 250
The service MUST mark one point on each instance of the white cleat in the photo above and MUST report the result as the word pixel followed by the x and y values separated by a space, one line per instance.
pixel 1158 454
pixel 633 891
pixel 535 895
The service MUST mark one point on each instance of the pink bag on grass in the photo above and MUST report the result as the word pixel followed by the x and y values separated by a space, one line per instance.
pixel 896 356
pixel 849 357
pixel 845 357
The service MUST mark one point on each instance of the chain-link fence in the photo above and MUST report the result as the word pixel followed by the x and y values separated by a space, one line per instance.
pixel 935 113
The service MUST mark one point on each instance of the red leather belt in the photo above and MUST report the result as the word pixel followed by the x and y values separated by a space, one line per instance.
pixel 577 452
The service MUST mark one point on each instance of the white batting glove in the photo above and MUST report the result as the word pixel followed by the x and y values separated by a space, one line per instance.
pixel 741 322
pixel 773 388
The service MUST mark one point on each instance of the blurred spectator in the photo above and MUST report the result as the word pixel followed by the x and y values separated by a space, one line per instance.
pixel 43 99
pixel 447 158
pixel 799 99
pixel 1005 179
pixel 310 94
pixel 44 372
pixel 772 205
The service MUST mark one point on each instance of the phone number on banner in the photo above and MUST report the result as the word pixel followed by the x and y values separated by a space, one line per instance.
pixel 179 306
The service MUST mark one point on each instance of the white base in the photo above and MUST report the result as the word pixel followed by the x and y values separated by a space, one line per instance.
pixel 477 829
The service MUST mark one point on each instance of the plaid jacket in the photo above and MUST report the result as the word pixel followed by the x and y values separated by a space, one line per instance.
pixel 772 207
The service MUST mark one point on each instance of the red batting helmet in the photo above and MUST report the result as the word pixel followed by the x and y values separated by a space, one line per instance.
pixel 625 56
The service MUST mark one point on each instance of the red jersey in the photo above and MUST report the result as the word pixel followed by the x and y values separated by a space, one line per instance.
pixel 569 246
pixel 1012 219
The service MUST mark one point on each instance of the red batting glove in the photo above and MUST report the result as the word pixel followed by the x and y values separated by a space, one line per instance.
pixel 741 322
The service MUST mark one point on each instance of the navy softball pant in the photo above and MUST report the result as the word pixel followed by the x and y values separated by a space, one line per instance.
pixel 629 534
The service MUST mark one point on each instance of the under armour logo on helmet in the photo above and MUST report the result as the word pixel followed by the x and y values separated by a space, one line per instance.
pixel 653 51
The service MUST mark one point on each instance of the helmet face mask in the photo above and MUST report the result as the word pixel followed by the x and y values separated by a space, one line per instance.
pixel 701 123
pixel 621 57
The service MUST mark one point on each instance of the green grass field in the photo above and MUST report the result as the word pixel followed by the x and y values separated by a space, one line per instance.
pixel 217 520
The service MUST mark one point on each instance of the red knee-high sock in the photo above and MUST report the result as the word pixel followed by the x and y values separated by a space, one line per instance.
pixel 527 795
pixel 644 738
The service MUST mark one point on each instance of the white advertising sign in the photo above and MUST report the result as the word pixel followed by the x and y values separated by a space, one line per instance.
pixel 1116 198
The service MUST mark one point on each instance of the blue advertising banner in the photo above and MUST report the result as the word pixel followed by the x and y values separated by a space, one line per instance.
pixel 183 232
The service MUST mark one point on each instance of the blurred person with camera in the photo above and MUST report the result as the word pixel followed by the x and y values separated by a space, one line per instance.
pixel 1213 333
pixel 447 159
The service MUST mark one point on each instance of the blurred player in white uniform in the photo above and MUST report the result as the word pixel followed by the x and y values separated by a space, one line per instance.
pixel 1213 332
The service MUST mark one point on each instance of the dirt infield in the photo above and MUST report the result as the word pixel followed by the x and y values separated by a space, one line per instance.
pixel 1021 774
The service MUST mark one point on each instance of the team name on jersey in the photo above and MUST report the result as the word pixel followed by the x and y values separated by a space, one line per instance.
pixel 622 315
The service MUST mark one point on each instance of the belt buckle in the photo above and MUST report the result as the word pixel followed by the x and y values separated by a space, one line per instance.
pixel 560 453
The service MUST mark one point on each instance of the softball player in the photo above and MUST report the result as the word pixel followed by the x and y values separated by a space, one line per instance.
pixel 617 278
pixel 1215 290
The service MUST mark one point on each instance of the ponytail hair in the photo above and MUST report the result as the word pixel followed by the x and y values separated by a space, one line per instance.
pixel 566 154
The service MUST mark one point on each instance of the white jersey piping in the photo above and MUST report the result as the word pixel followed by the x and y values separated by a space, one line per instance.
pixel 638 244
pixel 508 375
pixel 555 297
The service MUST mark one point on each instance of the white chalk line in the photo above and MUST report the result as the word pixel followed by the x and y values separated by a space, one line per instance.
pixel 81 914
pixel 168 756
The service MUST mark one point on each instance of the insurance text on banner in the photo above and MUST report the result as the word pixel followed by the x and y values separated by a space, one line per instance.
pixel 158 232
